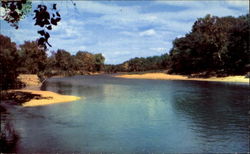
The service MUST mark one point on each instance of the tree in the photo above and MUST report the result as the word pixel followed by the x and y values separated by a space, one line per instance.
pixel 86 61
pixel 63 60
pixel 214 45
pixel 99 62
pixel 33 59
pixel 9 62
pixel 14 11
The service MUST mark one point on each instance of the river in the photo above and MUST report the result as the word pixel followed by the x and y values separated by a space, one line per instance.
pixel 130 115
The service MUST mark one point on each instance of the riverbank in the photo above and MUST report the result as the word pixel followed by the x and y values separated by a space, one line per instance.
pixel 36 97
pixel 164 76
pixel 46 98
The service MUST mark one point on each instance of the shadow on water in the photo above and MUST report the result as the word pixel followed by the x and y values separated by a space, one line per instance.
pixel 8 136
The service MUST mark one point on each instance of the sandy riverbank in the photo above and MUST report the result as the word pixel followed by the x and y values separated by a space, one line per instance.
pixel 164 76
pixel 46 97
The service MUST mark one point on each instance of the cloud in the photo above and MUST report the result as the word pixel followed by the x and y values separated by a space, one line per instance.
pixel 149 32
pixel 158 49
pixel 241 3
pixel 123 30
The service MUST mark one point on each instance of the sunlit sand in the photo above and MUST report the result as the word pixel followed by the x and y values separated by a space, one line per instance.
pixel 29 79
pixel 163 76
pixel 48 98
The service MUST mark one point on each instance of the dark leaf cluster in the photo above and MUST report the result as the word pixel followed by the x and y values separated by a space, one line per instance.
pixel 13 11
pixel 46 19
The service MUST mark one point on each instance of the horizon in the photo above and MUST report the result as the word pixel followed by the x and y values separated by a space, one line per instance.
pixel 122 30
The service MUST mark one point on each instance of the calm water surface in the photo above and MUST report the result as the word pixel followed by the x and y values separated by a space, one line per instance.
pixel 129 115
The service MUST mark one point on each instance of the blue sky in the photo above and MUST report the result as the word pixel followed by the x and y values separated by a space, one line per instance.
pixel 121 30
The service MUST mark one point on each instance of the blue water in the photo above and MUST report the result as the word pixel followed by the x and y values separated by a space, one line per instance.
pixel 129 115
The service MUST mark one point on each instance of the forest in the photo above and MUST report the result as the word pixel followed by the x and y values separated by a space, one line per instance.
pixel 215 46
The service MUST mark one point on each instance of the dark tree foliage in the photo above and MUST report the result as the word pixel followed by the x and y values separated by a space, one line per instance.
pixel 15 10
pixel 9 62
pixel 45 20
pixel 215 45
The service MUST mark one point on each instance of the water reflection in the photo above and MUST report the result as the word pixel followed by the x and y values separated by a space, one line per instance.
pixel 8 136
pixel 217 113
pixel 121 115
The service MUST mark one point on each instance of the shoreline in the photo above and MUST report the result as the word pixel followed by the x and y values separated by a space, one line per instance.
pixel 33 85
pixel 48 98
pixel 164 76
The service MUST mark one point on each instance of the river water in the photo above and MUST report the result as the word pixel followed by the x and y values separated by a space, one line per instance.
pixel 129 115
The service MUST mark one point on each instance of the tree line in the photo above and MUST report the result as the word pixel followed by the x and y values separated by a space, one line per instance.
pixel 139 64
pixel 28 58
pixel 216 46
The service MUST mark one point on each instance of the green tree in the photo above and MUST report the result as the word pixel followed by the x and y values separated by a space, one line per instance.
pixel 86 61
pixel 214 45
pixel 99 62
pixel 33 59
pixel 63 60
pixel 9 62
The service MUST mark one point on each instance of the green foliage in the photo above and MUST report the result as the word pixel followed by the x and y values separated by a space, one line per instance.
pixel 63 60
pixel 214 45
pixel 140 64
pixel 33 59
pixel 9 62
pixel 99 61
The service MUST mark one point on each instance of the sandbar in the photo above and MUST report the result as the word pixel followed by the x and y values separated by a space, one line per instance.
pixel 164 76
pixel 48 98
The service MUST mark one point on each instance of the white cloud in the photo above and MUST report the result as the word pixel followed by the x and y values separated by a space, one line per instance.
pixel 122 32
pixel 159 49
pixel 149 32
pixel 190 4
pixel 241 3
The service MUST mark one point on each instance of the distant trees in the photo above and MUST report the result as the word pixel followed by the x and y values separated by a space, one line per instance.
pixel 29 58
pixel 62 62
pixel 140 64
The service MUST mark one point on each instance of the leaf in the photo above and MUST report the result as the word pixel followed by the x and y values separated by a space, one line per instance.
pixel 47 36
pixel 41 41
pixel 54 6
pixel 41 32
pixel 19 5
pixel 53 21
pixel 49 27
pixel 57 13
pixel 58 19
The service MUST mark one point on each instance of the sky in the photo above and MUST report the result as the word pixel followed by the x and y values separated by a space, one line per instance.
pixel 120 29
